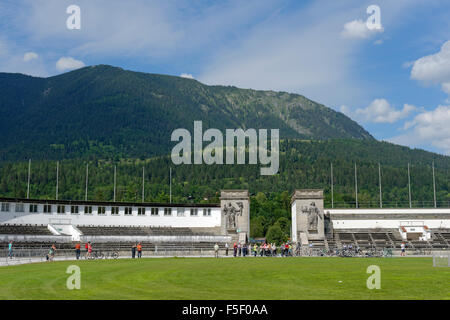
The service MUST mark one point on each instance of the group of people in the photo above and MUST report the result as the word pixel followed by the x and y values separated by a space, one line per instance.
pixel 136 247
pixel 49 256
pixel 263 250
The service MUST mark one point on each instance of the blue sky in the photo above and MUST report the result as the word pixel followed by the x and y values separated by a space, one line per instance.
pixel 395 81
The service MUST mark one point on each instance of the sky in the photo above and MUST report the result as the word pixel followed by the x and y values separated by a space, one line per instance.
pixel 391 75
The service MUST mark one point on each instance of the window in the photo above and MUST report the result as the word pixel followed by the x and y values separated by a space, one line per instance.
pixel 74 209
pixel 194 212
pixel 128 211
pixel 88 210
pixel 61 209
pixel 155 211
pixel 19 207
pixel 101 211
pixel 180 212
pixel 114 211
pixel 5 207
pixel 206 212
pixel 141 211
pixel 33 208
pixel 167 211
pixel 47 208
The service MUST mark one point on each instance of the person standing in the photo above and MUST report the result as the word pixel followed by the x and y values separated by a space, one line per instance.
pixel 139 250
pixel 234 249
pixel 216 250
pixel 403 248
pixel 274 248
pixel 10 250
pixel 51 253
pixel 89 250
pixel 226 249
pixel 86 248
pixel 77 250
pixel 133 251
pixel 239 249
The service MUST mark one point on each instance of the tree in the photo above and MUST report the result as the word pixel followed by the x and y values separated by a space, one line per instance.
pixel 257 227
pixel 275 234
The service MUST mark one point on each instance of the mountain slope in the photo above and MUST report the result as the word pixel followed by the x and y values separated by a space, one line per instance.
pixel 106 111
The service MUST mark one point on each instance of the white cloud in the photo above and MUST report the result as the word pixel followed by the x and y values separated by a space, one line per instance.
pixel 446 87
pixel 12 60
pixel 359 29
pixel 381 111
pixel 434 68
pixel 295 52
pixel 68 63
pixel 30 56
pixel 428 128
pixel 187 75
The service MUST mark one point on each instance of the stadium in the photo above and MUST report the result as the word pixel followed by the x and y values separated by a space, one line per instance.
pixel 326 243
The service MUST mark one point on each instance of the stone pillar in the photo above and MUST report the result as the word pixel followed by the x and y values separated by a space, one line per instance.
pixel 235 209
pixel 307 215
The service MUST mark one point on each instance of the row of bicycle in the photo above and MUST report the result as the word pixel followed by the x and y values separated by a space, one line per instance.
pixel 320 252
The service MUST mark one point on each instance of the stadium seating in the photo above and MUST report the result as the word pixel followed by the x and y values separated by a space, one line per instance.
pixel 27 229
pixel 137 231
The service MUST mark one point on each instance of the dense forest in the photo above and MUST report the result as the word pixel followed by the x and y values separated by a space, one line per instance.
pixel 303 164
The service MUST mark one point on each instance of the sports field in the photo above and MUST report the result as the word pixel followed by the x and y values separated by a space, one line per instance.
pixel 232 278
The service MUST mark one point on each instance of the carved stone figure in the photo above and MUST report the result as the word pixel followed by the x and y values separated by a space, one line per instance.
pixel 230 211
pixel 313 214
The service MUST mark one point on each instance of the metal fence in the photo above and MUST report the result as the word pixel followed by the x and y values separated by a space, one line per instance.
pixel 441 260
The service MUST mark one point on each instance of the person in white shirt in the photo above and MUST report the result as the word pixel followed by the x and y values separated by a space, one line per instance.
pixel 216 250
pixel 226 248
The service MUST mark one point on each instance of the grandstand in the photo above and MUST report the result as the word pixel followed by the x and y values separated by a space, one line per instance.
pixel 171 228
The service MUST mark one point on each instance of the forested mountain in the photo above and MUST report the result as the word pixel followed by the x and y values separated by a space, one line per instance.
pixel 107 117
pixel 106 112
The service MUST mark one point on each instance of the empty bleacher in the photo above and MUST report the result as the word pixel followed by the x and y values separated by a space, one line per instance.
pixel 28 229
pixel 137 231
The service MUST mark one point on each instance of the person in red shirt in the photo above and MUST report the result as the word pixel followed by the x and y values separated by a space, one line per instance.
pixel 89 250
pixel 77 250
pixel 139 250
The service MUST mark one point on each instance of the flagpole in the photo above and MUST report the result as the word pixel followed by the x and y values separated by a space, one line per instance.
pixel 28 183
pixel 379 183
pixel 87 181
pixel 332 190
pixel 57 178
pixel 356 186
pixel 409 187
pixel 143 183
pixel 115 183
pixel 434 188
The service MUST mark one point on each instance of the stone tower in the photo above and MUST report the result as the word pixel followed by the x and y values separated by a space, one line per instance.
pixel 235 207
pixel 307 216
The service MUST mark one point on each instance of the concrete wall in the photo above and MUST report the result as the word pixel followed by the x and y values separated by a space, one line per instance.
pixel 389 218
pixel 180 217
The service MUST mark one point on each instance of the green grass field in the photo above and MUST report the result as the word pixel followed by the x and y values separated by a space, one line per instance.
pixel 233 278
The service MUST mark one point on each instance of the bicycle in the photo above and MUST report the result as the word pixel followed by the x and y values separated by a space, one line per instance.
pixel 96 255
pixel 111 255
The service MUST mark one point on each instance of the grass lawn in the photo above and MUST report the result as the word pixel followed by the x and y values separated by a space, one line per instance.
pixel 232 278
